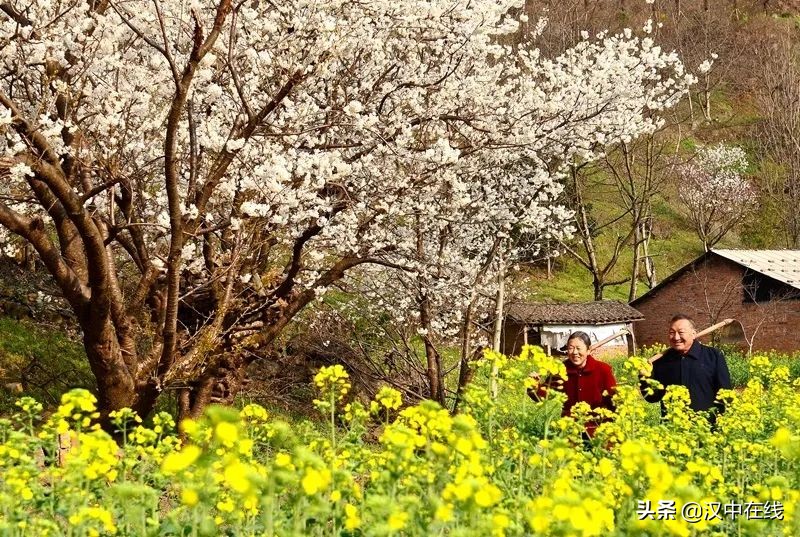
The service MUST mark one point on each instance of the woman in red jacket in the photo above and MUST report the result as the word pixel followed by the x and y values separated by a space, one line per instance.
pixel 588 379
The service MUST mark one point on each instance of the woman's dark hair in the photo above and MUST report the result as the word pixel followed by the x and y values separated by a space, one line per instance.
pixel 583 336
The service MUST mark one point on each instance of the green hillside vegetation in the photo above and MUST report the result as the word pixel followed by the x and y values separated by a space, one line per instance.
pixel 40 361
pixel 674 242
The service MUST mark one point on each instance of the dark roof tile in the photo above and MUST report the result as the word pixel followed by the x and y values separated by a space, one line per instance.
pixel 600 312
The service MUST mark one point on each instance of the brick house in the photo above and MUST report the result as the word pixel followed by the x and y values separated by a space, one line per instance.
pixel 549 325
pixel 759 288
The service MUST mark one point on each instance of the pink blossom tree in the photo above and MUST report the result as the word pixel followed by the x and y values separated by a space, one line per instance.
pixel 715 193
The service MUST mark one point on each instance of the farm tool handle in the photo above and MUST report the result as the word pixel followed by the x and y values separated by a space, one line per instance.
pixel 701 333
pixel 605 340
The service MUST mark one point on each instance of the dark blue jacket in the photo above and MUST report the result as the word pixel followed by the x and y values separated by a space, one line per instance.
pixel 702 370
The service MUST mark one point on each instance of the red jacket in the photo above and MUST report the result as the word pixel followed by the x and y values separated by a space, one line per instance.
pixel 587 384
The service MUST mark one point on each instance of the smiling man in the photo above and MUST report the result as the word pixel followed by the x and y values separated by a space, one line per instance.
pixel 687 362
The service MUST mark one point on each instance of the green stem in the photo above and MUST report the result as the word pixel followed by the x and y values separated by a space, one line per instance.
pixel 333 421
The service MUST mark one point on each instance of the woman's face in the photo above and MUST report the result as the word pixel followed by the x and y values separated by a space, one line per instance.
pixel 577 351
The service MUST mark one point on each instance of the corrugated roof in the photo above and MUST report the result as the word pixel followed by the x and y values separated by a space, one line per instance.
pixel 781 265
pixel 600 312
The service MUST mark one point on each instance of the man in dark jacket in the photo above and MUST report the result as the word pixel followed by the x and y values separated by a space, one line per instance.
pixel 687 362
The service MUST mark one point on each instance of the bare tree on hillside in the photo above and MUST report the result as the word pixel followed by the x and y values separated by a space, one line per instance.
pixel 703 33
pixel 778 97
pixel 567 19
pixel 640 170
pixel 587 252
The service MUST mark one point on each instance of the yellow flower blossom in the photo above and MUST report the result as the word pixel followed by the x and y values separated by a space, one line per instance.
pixel 352 520
pixel 189 497
pixel 179 461
pixel 398 520
pixel 315 480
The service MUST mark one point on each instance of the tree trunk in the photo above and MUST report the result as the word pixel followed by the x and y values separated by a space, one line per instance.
pixel 116 387
pixel 498 316
pixel 434 361
pixel 219 384
pixel 707 99
pixel 464 373
pixel 637 243
pixel 588 243
pixel 597 283
pixel 497 337
pixel 691 109
pixel 649 265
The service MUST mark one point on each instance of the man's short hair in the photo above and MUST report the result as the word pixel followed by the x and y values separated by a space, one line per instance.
pixel 682 317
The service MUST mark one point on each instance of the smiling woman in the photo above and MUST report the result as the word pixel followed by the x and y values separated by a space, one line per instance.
pixel 578 348
pixel 588 380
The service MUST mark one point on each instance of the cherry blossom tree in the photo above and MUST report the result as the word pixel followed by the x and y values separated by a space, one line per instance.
pixel 193 175
pixel 451 274
pixel 715 193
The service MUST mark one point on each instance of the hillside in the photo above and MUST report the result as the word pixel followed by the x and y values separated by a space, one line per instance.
pixel 734 96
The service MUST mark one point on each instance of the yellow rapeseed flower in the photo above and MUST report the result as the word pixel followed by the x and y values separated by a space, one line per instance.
pixel 487 496
pixel 315 480
pixel 389 398
pixel 398 520
pixel 352 520
pixel 236 477
pixel 226 433
pixel 444 513
pixel 181 460
pixel 189 497
pixel 226 505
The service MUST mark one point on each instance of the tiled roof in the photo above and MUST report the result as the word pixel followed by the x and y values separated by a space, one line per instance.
pixel 600 312
pixel 781 265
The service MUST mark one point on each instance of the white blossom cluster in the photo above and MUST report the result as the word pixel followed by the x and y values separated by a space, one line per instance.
pixel 402 132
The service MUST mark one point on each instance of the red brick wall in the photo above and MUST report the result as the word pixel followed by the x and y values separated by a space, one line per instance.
pixel 710 292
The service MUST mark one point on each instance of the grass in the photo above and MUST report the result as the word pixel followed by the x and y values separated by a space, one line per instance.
pixel 571 282
pixel 44 362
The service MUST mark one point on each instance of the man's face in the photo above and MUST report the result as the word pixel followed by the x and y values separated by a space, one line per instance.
pixel 681 335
